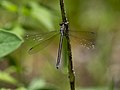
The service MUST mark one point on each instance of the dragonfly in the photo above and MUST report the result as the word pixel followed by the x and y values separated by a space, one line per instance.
pixel 86 38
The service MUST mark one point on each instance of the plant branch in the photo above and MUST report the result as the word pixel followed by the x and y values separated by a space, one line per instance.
pixel 64 19
pixel 70 63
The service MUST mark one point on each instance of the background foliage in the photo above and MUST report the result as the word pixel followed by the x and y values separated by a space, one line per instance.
pixel 96 69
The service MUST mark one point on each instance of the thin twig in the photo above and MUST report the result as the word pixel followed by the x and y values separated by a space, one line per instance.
pixel 63 11
pixel 70 63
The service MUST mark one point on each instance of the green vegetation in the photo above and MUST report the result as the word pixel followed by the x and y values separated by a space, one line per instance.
pixel 96 69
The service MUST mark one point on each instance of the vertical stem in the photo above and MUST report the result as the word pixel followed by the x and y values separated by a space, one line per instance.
pixel 70 63
pixel 64 19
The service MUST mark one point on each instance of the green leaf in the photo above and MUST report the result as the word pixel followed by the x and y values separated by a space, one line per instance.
pixel 42 14
pixel 37 84
pixel 9 6
pixel 18 30
pixel 40 84
pixel 4 76
pixel 8 42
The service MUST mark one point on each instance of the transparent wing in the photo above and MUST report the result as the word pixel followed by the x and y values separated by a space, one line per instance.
pixel 40 41
pixel 84 38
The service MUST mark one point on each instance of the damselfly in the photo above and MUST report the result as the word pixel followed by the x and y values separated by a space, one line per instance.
pixel 86 38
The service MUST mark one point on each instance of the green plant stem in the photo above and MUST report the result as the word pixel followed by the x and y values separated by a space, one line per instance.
pixel 71 73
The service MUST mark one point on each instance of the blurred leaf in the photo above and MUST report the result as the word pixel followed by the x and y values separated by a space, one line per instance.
pixel 21 88
pixel 4 89
pixel 40 84
pixel 9 6
pixel 25 11
pixel 36 84
pixel 10 69
pixel 99 88
pixel 18 30
pixel 8 42
pixel 7 78
pixel 42 14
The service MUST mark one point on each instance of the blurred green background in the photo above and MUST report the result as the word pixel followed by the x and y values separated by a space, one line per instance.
pixel 96 69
